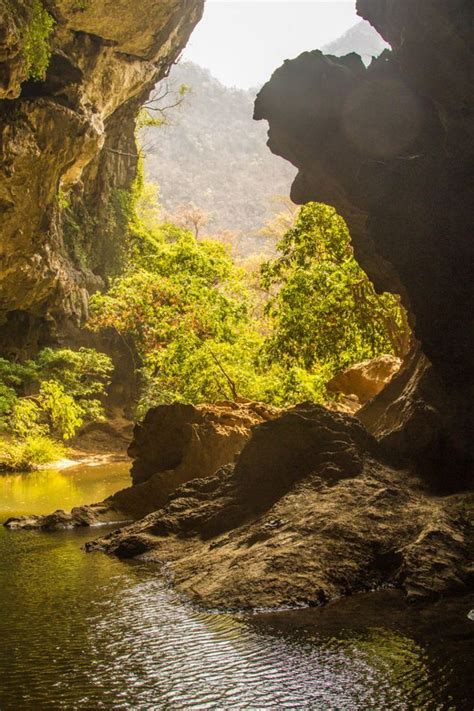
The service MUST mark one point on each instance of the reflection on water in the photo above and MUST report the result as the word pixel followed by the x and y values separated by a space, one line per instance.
pixel 50 489
pixel 91 632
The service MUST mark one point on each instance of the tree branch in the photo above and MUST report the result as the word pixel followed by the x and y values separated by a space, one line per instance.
pixel 230 382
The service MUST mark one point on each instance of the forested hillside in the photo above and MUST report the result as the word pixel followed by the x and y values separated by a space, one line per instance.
pixel 212 153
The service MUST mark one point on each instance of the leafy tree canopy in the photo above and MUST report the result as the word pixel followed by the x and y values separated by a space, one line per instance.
pixel 323 307
pixel 187 309
pixel 198 322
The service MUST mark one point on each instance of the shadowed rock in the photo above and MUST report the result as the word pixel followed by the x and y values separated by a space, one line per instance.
pixel 391 147
pixel 310 511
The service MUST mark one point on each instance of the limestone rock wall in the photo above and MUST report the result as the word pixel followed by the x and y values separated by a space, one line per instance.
pixel 72 135
pixel 391 147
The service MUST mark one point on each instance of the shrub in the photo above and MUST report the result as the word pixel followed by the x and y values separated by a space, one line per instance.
pixel 25 418
pixel 54 394
pixel 29 453
pixel 36 47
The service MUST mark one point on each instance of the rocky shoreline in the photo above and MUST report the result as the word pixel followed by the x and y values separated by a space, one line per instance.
pixel 305 524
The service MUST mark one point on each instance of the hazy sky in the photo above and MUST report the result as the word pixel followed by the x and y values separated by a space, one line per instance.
pixel 243 41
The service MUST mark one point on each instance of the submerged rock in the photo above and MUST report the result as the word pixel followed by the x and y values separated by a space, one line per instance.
pixel 79 517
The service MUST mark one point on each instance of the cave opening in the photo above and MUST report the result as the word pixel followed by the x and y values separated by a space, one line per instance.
pixel 209 283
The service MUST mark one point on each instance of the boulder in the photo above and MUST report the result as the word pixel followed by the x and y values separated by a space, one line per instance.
pixel 307 440
pixel 177 443
pixel 366 379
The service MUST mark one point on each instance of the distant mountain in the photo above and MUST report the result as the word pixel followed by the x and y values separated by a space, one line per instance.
pixel 213 154
pixel 362 39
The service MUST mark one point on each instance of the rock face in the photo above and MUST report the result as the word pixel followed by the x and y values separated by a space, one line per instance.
pixel 412 418
pixel 391 147
pixel 177 443
pixel 310 511
pixel 365 380
pixel 67 145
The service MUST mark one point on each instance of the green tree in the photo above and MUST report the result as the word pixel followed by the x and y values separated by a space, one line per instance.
pixel 324 309
pixel 54 394
pixel 200 325
pixel 184 306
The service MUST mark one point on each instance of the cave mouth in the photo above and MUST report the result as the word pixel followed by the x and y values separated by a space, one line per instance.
pixel 192 127
pixel 230 352
pixel 255 299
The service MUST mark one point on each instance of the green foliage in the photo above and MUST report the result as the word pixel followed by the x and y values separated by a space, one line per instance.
pixel 63 199
pixel 8 399
pixel 77 226
pixel 36 47
pixel 25 418
pixel 146 119
pixel 29 453
pixel 83 373
pixel 323 307
pixel 196 321
pixel 64 414
pixel 180 301
pixel 155 112
pixel 54 394
pixel 81 5
pixel 199 326
pixel 185 308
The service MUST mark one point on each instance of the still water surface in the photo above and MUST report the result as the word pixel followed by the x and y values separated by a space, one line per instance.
pixel 85 631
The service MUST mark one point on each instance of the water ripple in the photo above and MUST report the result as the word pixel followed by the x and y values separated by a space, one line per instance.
pixel 84 631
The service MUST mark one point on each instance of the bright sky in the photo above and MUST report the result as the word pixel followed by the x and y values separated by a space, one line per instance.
pixel 243 41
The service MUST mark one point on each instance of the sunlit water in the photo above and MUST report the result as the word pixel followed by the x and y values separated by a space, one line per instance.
pixel 85 631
